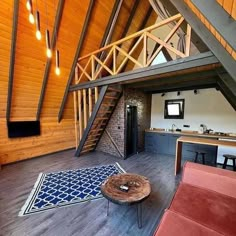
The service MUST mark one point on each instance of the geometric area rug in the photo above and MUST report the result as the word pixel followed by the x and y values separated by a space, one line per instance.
pixel 69 187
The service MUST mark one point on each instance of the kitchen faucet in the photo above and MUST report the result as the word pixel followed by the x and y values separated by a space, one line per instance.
pixel 173 125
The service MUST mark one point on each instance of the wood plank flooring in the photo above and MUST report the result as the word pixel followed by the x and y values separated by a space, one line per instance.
pixel 85 219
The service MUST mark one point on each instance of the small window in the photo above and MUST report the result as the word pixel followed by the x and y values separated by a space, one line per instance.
pixel 174 109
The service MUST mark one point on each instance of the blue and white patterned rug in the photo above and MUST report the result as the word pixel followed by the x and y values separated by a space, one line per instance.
pixel 68 187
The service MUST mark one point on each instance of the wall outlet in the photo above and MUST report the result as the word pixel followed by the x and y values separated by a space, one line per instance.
pixel 186 126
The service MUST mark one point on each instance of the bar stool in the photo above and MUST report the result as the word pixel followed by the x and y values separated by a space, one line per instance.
pixel 230 157
pixel 197 153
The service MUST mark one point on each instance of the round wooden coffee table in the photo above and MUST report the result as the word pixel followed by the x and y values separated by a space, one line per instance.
pixel 139 189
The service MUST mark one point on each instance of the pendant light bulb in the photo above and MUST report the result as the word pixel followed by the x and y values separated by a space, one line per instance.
pixel 29 5
pixel 49 53
pixel 57 70
pixel 48 45
pixel 38 33
pixel 31 18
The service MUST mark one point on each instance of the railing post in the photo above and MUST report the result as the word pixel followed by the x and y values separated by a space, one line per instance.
pixel 114 59
pixel 188 41
pixel 80 115
pixel 144 49
pixel 92 67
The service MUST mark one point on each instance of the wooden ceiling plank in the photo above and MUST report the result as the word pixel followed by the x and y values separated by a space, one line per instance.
pixel 131 16
pixel 79 47
pixel 49 60
pixel 142 26
pixel 219 18
pixel 213 44
pixel 12 58
pixel 109 30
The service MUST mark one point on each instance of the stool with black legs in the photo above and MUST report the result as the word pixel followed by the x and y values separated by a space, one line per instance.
pixel 197 153
pixel 229 157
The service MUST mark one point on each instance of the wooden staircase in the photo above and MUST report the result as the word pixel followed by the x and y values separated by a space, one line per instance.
pixel 101 114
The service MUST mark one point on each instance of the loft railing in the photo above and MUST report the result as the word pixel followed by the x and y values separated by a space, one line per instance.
pixel 112 59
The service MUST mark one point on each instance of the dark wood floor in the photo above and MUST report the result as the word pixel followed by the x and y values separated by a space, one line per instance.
pixel 17 180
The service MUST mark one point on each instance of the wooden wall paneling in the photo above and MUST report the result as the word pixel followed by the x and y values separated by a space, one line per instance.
pixel 54 137
pixel 6 13
pixel 12 58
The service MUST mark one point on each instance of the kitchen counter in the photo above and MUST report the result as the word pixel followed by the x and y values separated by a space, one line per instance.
pixel 192 133
pixel 192 140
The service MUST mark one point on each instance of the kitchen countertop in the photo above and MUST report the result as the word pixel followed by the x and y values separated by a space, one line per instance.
pixel 191 133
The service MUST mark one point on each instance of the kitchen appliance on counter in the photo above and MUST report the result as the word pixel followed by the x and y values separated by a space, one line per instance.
pixel 202 129
pixel 225 150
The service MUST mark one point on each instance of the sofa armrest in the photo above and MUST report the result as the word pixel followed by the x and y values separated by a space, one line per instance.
pixel 219 180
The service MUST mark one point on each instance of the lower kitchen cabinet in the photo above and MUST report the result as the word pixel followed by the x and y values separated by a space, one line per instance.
pixel 162 143
pixel 172 143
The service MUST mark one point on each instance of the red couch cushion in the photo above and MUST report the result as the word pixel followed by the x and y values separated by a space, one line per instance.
pixel 175 224
pixel 211 178
pixel 209 208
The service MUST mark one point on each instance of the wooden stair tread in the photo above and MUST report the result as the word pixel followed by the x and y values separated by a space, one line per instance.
pixel 111 97
pixel 91 140
pixel 95 130
pixel 108 105
pixel 103 112
pixel 88 150
pixel 101 118
pixel 108 98
pixel 114 89
pixel 89 145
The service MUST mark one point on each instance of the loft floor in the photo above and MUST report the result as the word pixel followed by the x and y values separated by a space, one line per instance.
pixel 17 180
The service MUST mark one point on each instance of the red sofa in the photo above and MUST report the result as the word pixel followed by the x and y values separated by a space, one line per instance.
pixel 204 204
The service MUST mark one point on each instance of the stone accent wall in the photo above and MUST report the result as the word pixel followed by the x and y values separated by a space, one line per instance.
pixel 116 128
pixel 117 123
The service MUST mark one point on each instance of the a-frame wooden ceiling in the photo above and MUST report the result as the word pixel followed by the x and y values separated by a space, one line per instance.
pixel 29 59
pixel 37 93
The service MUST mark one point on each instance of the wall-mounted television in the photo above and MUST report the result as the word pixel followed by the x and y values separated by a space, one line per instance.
pixel 174 109
pixel 18 129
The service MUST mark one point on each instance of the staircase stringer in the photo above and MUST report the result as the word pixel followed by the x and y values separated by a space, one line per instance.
pixel 108 119
pixel 91 120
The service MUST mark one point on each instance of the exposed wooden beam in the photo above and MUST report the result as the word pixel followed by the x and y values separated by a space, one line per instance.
pixel 228 88
pixel 152 72
pixel 109 29
pixel 209 39
pixel 131 16
pixel 178 78
pixel 12 58
pixel 79 47
pixel 60 7
pixel 111 23
pixel 197 41
pixel 142 26
pixel 184 85
pixel 219 19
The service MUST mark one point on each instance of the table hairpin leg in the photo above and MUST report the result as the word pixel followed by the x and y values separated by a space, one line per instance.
pixel 107 207
pixel 139 214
